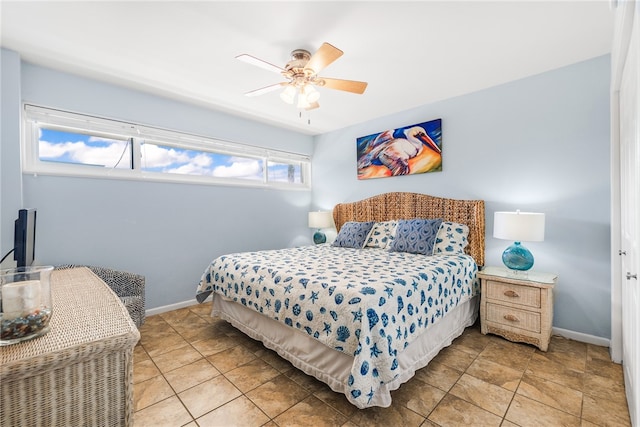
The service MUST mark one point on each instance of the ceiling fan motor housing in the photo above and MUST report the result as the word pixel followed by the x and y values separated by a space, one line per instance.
pixel 295 69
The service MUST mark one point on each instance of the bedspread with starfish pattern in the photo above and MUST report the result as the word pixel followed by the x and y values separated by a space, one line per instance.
pixel 368 303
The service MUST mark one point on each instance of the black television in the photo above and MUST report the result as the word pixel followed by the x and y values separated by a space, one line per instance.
pixel 24 237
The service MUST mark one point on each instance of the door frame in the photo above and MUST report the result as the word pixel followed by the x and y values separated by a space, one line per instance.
pixel 623 26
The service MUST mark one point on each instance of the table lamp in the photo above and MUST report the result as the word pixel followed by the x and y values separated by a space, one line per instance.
pixel 320 220
pixel 519 227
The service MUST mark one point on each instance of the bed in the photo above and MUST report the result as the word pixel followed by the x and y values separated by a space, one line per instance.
pixel 361 319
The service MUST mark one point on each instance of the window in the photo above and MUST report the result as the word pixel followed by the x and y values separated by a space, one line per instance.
pixel 58 142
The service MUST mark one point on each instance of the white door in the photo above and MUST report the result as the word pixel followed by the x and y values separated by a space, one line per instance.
pixel 630 221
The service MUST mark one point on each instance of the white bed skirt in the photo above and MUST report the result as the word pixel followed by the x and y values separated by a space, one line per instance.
pixel 333 367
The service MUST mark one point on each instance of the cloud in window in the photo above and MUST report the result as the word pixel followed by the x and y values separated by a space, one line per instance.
pixel 191 162
pixel 240 168
pixel 106 154
pixel 156 156
pixel 197 165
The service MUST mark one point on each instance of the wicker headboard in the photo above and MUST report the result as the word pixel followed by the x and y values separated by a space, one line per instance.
pixel 388 206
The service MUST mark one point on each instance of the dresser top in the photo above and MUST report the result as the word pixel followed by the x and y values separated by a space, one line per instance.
pixel 88 319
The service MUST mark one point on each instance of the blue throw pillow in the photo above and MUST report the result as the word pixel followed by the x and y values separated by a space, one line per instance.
pixel 416 236
pixel 353 234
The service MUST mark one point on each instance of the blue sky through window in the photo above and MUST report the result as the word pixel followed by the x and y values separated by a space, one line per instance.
pixel 78 148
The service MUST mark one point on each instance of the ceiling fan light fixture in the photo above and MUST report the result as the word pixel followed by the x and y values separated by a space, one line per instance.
pixel 311 93
pixel 302 100
pixel 288 94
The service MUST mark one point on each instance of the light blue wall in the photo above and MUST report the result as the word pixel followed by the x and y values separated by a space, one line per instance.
pixel 10 198
pixel 538 144
pixel 167 232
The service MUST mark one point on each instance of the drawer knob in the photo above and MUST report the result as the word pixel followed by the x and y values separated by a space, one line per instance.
pixel 511 318
pixel 511 294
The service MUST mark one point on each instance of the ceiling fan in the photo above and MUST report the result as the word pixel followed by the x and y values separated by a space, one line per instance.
pixel 301 73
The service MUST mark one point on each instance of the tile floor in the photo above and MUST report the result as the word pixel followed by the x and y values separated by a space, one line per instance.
pixel 194 370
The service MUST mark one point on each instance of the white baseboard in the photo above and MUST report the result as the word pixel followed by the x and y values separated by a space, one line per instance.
pixel 170 307
pixel 579 336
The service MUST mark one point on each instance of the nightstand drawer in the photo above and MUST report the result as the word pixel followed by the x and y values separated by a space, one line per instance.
pixel 517 294
pixel 522 319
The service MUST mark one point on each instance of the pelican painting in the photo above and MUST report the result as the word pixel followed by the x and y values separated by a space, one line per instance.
pixel 404 151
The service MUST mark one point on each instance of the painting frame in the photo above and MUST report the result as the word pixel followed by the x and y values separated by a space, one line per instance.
pixel 407 150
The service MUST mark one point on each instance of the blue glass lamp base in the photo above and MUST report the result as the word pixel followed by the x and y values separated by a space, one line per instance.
pixel 517 257
pixel 319 237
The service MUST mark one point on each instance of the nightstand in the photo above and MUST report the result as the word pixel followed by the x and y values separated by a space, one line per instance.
pixel 517 305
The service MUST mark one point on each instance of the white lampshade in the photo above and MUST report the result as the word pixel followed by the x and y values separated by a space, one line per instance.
pixel 320 219
pixel 302 100
pixel 311 93
pixel 519 226
pixel 288 94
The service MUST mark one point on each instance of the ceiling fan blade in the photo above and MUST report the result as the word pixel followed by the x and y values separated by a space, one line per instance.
pixel 323 57
pixel 346 85
pixel 259 63
pixel 265 89
pixel 312 106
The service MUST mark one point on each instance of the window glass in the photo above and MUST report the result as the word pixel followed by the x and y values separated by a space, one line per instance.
pixel 65 146
pixel 289 172
pixel 168 159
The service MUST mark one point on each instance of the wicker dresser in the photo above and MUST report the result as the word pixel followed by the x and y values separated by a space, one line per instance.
pixel 517 307
pixel 81 372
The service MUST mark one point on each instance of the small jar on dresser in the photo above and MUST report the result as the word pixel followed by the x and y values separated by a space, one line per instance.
pixel 517 305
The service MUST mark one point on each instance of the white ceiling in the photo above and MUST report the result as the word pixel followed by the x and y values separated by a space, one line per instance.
pixel 410 53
